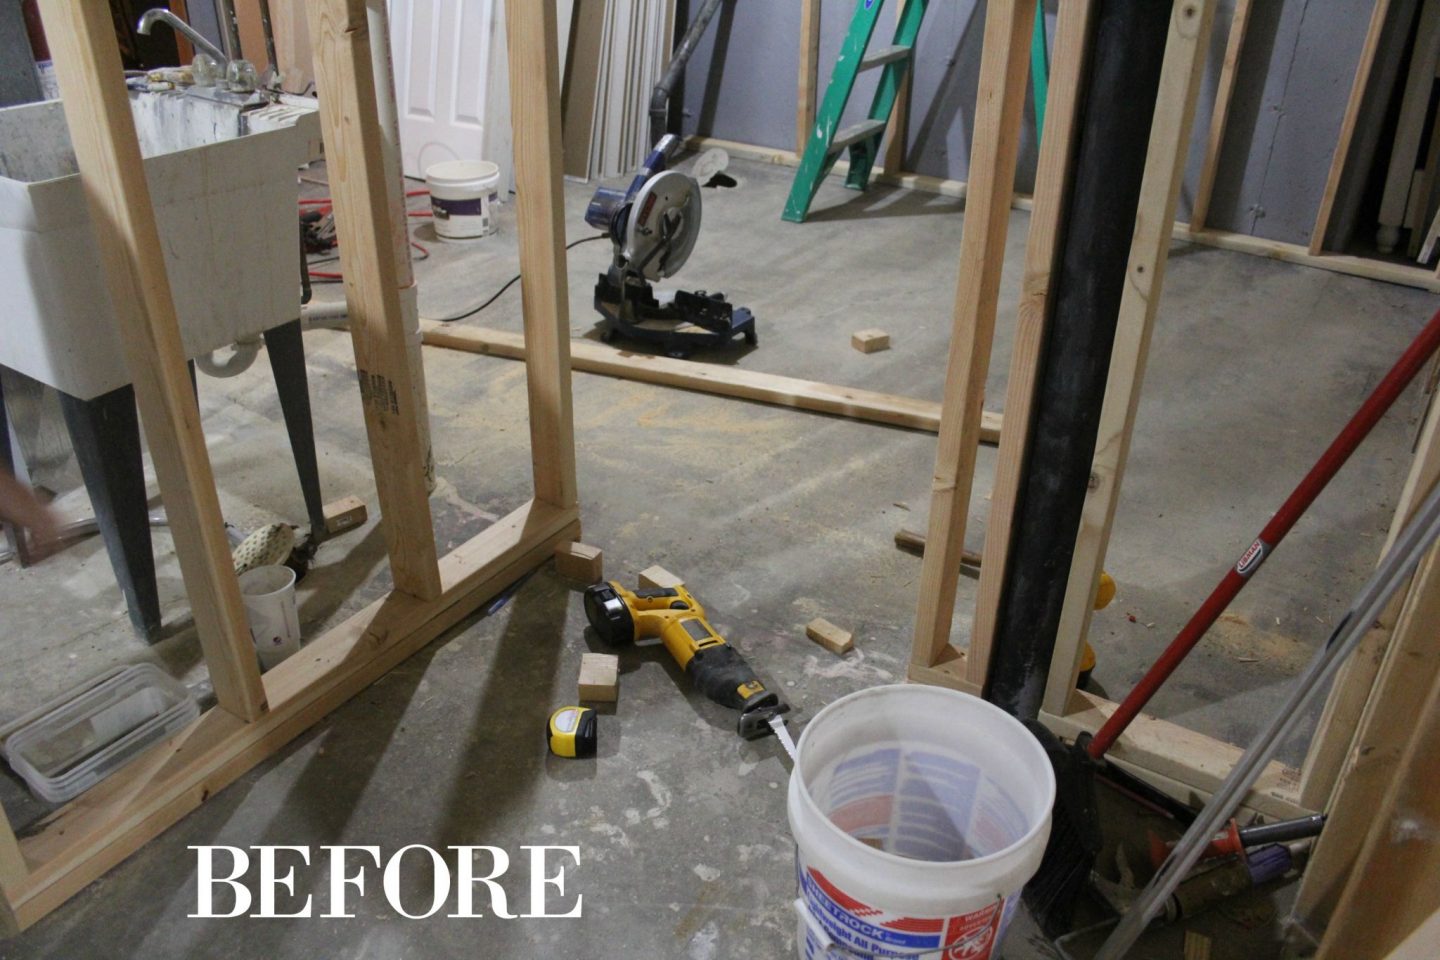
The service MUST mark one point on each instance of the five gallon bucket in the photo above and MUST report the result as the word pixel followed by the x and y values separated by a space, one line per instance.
pixel 918 814
pixel 463 194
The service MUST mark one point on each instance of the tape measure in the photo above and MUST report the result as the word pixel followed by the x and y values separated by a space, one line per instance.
pixel 572 732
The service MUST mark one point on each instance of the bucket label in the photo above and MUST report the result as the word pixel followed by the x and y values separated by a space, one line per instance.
pixel 445 209
pixel 866 931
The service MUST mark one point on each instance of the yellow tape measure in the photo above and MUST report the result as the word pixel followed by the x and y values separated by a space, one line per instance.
pixel 572 732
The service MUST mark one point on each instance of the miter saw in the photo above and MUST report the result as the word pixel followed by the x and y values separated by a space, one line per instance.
pixel 653 224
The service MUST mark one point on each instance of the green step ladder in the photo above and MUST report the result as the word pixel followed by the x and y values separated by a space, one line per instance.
pixel 862 139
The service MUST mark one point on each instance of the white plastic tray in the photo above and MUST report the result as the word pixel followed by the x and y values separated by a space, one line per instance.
pixel 74 746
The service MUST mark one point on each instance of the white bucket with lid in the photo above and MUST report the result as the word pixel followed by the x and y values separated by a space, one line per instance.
pixel 918 815
pixel 463 194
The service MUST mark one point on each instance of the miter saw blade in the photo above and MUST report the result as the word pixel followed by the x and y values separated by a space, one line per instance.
pixel 663 225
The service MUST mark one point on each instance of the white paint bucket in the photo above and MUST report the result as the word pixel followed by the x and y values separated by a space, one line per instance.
pixel 463 194
pixel 268 593
pixel 918 815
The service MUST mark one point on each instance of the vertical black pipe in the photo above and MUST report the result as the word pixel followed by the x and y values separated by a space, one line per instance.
pixel 1124 77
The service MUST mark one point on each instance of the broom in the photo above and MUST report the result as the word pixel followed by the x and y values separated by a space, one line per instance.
pixel 1075 831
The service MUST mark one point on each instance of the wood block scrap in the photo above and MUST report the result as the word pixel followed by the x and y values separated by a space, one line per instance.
pixel 600 677
pixel 869 341
pixel 347 513
pixel 1197 946
pixel 580 561
pixel 829 636
pixel 912 542
pixel 657 577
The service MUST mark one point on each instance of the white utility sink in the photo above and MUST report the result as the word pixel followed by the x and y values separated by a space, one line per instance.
pixel 222 179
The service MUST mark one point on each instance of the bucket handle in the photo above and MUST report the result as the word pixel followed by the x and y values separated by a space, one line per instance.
pixel 838 951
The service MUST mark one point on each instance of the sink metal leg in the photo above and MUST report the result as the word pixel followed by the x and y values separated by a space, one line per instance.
pixel 286 348
pixel 105 433
pixel 11 459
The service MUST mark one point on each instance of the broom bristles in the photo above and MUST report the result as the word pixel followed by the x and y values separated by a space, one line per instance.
pixel 1074 836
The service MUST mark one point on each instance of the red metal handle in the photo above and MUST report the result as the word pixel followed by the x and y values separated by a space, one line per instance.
pixel 1290 511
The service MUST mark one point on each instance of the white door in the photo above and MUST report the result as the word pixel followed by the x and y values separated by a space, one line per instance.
pixel 452 83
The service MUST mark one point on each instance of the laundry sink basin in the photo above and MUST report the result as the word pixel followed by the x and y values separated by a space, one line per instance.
pixel 222 177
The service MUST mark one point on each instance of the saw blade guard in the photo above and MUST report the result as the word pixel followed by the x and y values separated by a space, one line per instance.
pixel 663 225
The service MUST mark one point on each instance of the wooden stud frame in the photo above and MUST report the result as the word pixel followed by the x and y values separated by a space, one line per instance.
pixel 1145 276
pixel 1224 90
pixel 1004 62
pixel 258 715
pixel 1052 176
pixel 1409 274
pixel 1184 763
pixel 1380 11
pixel 1181 762
pixel 809 72
pixel 1311 255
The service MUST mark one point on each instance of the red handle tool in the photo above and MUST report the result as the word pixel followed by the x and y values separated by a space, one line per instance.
pixel 1290 511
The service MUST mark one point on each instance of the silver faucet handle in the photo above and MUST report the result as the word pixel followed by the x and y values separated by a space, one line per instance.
pixel 205 71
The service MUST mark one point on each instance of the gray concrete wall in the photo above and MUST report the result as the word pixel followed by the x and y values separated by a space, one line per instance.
pixel 1295 72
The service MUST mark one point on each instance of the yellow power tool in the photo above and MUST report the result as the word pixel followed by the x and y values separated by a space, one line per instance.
pixel 677 618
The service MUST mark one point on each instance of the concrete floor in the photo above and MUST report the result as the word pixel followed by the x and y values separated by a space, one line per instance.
pixel 773 517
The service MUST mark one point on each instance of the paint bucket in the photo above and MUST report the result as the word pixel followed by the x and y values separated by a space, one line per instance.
pixel 918 815
pixel 268 593
pixel 463 194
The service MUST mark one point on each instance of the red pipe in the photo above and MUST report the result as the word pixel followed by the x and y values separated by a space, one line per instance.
pixel 1258 552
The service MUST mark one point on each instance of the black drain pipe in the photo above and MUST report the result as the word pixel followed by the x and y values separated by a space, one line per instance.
pixel 1090 271
pixel 660 97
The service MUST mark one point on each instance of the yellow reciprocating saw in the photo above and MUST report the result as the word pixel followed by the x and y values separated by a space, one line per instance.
pixel 677 618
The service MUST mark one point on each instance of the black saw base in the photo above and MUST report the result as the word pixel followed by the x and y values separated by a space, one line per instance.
pixel 690 322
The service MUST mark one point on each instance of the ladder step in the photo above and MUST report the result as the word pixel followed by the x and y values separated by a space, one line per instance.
pixel 883 56
pixel 856 133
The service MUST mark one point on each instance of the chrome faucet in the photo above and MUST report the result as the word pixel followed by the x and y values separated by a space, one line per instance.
pixel 151 16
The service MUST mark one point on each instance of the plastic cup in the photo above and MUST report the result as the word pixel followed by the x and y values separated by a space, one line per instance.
pixel 268 593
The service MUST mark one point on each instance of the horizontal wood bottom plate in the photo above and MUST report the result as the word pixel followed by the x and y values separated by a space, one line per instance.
pixel 99 829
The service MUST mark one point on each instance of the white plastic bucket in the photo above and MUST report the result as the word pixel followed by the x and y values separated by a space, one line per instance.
pixel 462 197
pixel 268 593
pixel 918 815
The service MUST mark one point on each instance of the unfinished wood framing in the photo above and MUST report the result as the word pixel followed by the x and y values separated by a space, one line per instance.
pixel 1052 176
pixel 1391 888
pixel 897 128
pixel 809 72
pixel 540 222
pixel 1420 945
pixel 1224 90
pixel 722 380
pixel 107 150
pixel 1408 673
pixel 1145 278
pixel 1347 125
pixel 1354 685
pixel 1186 764
pixel 1004 60
pixel 80 841
pixel 1402 274
pixel 366 191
